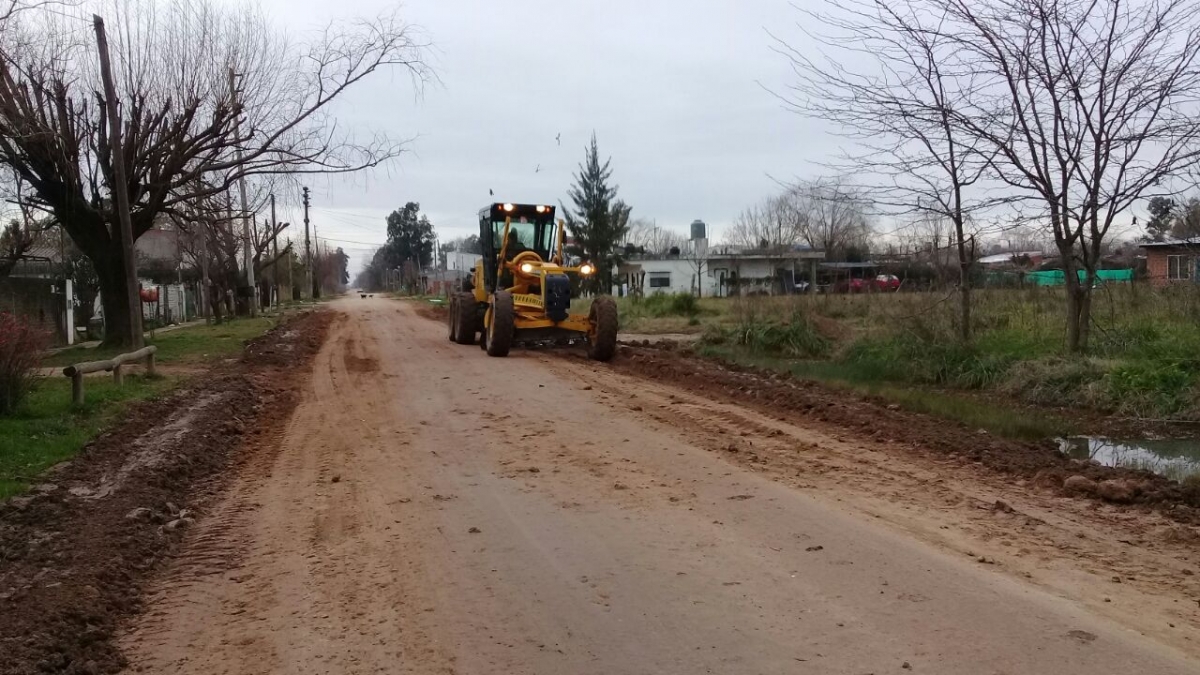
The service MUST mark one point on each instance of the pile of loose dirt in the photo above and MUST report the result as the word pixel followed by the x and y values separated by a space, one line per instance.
pixel 813 403
pixel 75 551
pixel 433 312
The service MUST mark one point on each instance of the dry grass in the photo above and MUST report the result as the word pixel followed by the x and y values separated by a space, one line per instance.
pixel 1143 359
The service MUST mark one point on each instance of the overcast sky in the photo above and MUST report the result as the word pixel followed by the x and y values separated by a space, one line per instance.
pixel 673 89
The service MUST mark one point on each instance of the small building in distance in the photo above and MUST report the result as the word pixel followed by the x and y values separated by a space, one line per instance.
pixel 1172 261
pixel 722 271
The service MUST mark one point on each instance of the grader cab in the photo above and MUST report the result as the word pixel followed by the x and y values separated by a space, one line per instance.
pixel 520 290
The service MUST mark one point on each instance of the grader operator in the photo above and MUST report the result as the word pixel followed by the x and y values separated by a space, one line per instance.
pixel 520 290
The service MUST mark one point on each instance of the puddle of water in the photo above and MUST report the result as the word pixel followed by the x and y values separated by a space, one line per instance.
pixel 1174 458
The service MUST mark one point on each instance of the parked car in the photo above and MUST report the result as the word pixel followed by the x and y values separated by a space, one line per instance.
pixel 850 286
pixel 887 282
pixel 882 282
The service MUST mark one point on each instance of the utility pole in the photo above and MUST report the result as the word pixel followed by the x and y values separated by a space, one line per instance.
pixel 291 285
pixel 205 288
pixel 120 189
pixel 308 260
pixel 316 266
pixel 275 252
pixel 237 152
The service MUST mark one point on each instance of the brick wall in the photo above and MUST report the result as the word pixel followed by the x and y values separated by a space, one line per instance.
pixel 1156 266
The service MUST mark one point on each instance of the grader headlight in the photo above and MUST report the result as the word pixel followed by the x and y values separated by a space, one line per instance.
pixel 587 269
pixel 526 268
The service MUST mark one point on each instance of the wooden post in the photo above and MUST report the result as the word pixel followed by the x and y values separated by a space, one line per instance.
pixel 77 388
pixel 150 369
pixel 118 376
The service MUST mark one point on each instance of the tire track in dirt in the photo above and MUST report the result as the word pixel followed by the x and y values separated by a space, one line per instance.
pixel 77 558
pixel 403 528
pixel 306 525
pixel 1137 567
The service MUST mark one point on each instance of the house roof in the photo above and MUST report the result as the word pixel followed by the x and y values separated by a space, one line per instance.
pixel 1169 243
pixel 758 254
pixel 1007 257
pixel 849 265
pixel 158 245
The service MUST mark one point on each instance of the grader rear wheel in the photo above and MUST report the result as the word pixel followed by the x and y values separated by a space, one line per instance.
pixel 602 331
pixel 466 318
pixel 499 334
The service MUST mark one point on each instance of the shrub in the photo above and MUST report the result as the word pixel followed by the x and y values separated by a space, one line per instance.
pixel 797 337
pixel 929 360
pixel 1150 389
pixel 667 304
pixel 1054 381
pixel 21 348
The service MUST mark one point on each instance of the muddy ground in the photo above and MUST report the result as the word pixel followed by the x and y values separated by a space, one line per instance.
pixel 433 510
pixel 76 551
pixel 810 402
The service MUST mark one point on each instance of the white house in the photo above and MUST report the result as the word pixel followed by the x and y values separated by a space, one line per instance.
pixel 771 271
pixel 719 273
pixel 458 261
pixel 647 275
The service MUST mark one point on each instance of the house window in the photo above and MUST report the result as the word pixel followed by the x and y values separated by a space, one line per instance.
pixel 660 280
pixel 1179 267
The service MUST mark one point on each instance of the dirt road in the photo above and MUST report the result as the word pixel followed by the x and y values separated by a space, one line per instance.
pixel 433 510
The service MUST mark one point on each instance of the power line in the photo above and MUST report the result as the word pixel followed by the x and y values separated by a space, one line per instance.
pixel 337 217
pixel 350 241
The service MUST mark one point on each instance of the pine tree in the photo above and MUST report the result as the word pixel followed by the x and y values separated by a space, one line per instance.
pixel 599 221
pixel 409 237
pixel 1163 215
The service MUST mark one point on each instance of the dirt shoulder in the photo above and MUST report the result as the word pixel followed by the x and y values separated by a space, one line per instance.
pixel 76 551
pixel 1037 462
pixel 1000 503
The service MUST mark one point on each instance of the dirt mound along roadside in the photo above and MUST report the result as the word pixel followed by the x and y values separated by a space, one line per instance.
pixel 432 312
pixel 75 551
pixel 867 416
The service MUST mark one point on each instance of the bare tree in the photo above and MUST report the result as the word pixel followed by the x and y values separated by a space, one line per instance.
pixel 774 223
pixel 15 241
pixel 1082 106
pixel 830 215
pixel 645 235
pixel 892 86
pixel 182 122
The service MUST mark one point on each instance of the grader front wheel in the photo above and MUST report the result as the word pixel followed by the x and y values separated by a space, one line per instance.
pixel 499 334
pixel 602 329
pixel 452 318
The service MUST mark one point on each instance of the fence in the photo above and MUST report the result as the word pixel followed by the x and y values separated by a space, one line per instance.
pixel 78 370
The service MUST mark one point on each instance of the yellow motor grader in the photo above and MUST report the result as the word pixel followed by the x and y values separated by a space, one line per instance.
pixel 520 291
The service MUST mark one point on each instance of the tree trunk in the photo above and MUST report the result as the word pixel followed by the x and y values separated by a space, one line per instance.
pixel 1085 311
pixel 1074 307
pixel 964 309
pixel 114 294
pixel 964 289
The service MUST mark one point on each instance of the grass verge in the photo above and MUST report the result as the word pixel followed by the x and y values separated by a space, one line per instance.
pixel 48 429
pixel 182 345
pixel 1007 421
